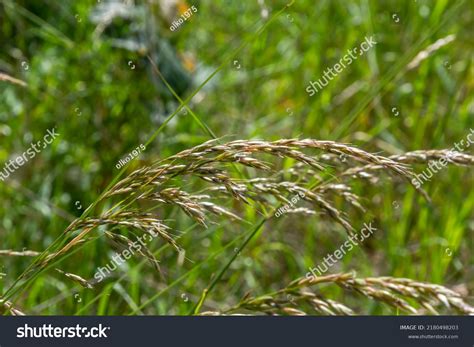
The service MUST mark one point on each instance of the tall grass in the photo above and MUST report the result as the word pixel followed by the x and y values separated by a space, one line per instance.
pixel 220 245
pixel 144 191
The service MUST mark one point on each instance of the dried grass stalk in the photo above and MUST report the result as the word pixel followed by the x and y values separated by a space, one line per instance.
pixel 210 161
pixel 8 78
pixel 12 253
pixel 400 293
pixel 7 307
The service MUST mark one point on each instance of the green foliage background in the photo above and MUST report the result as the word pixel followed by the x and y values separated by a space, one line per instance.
pixel 75 70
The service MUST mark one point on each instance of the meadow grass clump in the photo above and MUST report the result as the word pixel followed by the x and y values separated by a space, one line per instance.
pixel 220 170
pixel 303 297
pixel 225 218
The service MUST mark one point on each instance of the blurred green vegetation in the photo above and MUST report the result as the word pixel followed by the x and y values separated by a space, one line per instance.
pixel 89 76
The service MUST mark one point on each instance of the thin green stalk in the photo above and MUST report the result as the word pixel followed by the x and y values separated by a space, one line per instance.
pixel 216 279
pixel 182 277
